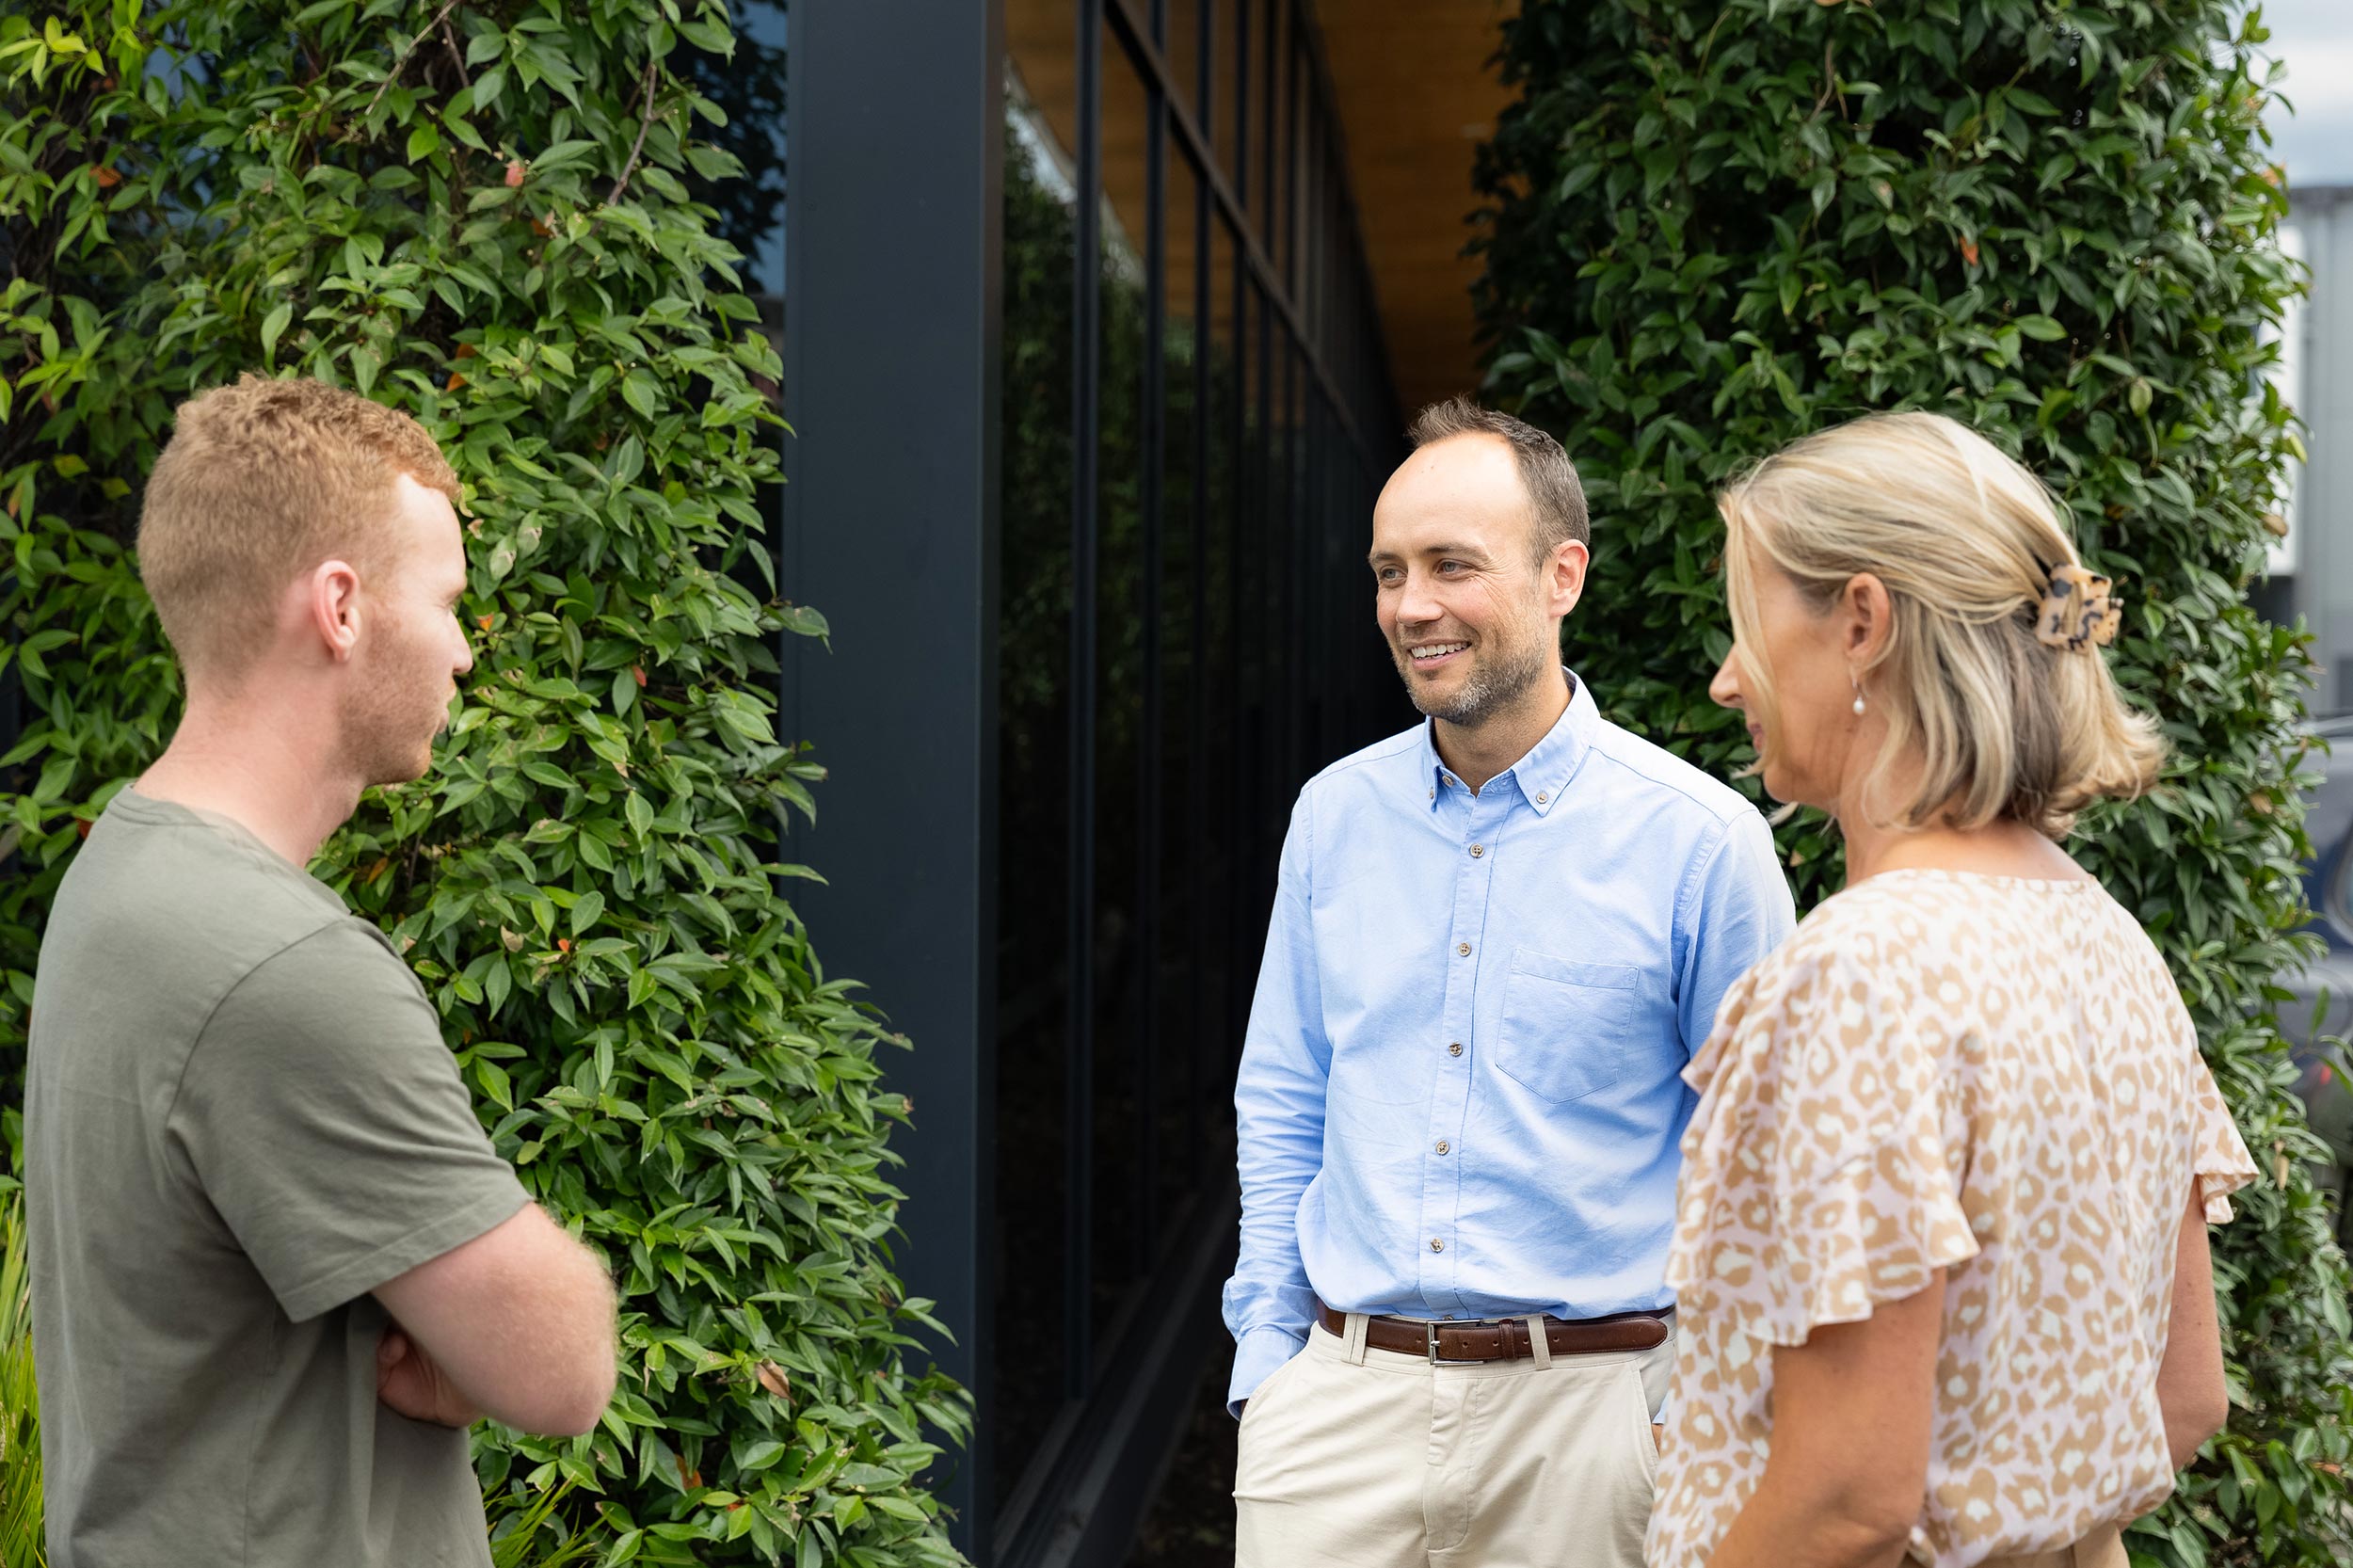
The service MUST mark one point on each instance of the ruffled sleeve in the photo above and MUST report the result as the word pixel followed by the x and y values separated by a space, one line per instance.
pixel 2219 1157
pixel 1820 1177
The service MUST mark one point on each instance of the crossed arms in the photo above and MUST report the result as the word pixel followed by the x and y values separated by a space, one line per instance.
pixel 515 1324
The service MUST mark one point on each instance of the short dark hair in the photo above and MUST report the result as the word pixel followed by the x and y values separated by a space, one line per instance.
pixel 1556 502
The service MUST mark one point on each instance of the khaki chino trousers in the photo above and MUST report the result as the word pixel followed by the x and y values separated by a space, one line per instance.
pixel 1352 1457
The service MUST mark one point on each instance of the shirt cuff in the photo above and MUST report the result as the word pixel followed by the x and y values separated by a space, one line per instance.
pixel 1257 1356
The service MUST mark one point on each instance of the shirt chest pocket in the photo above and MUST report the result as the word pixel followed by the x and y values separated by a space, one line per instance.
pixel 1567 1028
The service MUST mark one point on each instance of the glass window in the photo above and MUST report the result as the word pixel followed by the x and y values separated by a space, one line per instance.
pixel 1298 137
pixel 1184 702
pixel 1228 100
pixel 1042 67
pixel 1033 781
pixel 1270 79
pixel 1123 647
pixel 1254 563
pixel 1218 610
pixel 1225 715
pixel 1181 22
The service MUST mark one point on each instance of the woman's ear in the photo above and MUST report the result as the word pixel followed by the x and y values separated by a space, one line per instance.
pixel 1870 614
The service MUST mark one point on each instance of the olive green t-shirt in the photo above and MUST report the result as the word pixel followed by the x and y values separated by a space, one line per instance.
pixel 240 1118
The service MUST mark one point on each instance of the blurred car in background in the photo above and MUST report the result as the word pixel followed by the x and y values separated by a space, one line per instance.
pixel 2321 1018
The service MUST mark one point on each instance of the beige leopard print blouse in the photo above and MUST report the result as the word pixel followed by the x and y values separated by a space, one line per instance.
pixel 1990 1075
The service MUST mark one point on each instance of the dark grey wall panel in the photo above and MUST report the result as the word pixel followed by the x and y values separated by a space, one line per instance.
pixel 891 529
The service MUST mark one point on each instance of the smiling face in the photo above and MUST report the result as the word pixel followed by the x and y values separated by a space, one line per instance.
pixel 1472 616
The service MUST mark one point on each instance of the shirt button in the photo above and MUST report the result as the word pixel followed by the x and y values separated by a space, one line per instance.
pixel 1448 777
pixel 1454 1048
pixel 1443 1145
pixel 1542 797
pixel 1461 950
pixel 1478 850
pixel 1436 1244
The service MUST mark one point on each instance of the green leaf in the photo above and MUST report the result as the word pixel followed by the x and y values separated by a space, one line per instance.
pixel 803 620
pixel 642 392
pixel 274 326
pixel 495 1083
pixel 365 363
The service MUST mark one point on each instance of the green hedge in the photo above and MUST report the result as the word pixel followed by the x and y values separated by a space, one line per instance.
pixel 478 212
pixel 1713 225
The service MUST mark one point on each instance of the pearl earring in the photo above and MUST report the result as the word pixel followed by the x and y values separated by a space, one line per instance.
pixel 1858 695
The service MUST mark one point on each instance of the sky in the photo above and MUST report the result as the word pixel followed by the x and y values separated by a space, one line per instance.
pixel 2314 38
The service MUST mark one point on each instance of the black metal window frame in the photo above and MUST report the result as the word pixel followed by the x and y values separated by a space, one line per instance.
pixel 1312 426
pixel 894 522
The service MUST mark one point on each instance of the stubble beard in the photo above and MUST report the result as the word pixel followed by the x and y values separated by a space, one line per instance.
pixel 389 727
pixel 1496 681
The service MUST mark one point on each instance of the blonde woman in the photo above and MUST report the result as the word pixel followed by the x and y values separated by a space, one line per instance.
pixel 1941 1236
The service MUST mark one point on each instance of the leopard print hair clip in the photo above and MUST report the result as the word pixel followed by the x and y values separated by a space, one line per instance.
pixel 2078 612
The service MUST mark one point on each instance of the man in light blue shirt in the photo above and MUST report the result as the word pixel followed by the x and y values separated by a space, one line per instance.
pixel 1497 939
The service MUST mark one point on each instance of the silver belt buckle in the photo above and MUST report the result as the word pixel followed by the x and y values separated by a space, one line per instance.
pixel 1430 1340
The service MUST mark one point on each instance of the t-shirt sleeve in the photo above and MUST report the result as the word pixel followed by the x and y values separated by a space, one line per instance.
pixel 327 1124
pixel 1819 1179
pixel 2218 1155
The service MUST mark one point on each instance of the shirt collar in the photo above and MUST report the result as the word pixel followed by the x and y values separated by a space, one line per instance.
pixel 1543 775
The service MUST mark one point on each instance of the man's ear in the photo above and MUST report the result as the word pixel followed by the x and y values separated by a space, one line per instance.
pixel 1564 577
pixel 332 602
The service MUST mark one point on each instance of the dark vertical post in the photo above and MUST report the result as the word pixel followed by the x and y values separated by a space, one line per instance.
pixel 1085 587
pixel 1240 970
pixel 1300 497
pixel 1145 1036
pixel 1206 1062
pixel 1240 174
pixel 891 529
pixel 1270 138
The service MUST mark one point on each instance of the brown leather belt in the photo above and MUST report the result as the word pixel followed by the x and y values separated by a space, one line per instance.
pixel 1506 1340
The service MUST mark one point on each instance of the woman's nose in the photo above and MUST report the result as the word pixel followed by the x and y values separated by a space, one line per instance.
pixel 1725 688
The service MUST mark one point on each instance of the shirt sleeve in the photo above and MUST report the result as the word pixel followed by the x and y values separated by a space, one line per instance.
pixel 1279 1107
pixel 327 1126
pixel 1737 909
pixel 1820 1183
pixel 2220 1158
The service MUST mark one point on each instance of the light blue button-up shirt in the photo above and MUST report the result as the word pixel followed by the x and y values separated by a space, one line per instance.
pixel 1460 1096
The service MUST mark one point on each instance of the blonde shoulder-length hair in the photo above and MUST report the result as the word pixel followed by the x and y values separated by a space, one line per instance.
pixel 1998 724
